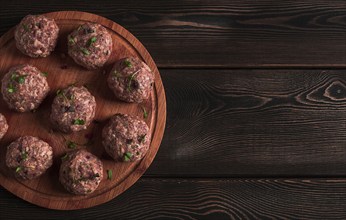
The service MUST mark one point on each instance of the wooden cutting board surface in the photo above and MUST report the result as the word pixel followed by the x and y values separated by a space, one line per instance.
pixel 46 191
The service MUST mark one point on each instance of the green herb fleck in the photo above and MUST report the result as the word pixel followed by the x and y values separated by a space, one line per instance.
pixel 45 74
pixel 71 40
pixel 24 155
pixel 26 27
pixel 11 89
pixel 130 80
pixel 18 78
pixel 145 113
pixel 71 144
pixel 64 157
pixel 127 156
pixel 85 51
pixel 21 79
pixel 14 76
pixel 128 63
pixel 110 174
pixel 18 169
pixel 91 41
pixel 78 122
pixel 61 93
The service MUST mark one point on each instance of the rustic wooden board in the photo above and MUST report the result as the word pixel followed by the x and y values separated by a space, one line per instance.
pixel 62 71
pixel 194 198
pixel 220 33
pixel 226 123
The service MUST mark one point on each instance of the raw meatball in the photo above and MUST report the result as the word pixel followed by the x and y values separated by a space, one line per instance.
pixel 3 126
pixel 24 87
pixel 73 109
pixel 36 35
pixel 90 45
pixel 81 172
pixel 126 138
pixel 131 80
pixel 29 157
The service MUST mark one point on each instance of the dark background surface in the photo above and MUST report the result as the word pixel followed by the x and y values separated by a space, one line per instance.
pixel 256 101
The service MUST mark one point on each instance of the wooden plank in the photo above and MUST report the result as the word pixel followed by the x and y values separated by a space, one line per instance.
pixel 253 122
pixel 220 33
pixel 206 198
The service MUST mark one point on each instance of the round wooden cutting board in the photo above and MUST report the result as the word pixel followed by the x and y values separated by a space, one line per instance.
pixel 46 191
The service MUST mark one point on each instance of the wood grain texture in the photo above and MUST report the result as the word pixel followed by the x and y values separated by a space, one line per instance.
pixel 206 199
pixel 219 33
pixel 46 190
pixel 229 123
pixel 226 123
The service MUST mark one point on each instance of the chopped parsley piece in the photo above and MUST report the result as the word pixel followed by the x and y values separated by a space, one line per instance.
pixel 18 169
pixel 85 51
pixel 109 174
pixel 78 122
pixel 128 63
pixel 21 79
pixel 11 89
pixel 71 144
pixel 18 78
pixel 45 74
pixel 71 40
pixel 24 155
pixel 91 41
pixel 64 157
pixel 145 113
pixel 14 76
pixel 26 27
pixel 127 156
pixel 130 80
pixel 61 93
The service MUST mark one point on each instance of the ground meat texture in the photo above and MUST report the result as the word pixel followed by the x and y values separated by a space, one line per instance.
pixel 3 126
pixel 131 80
pixel 90 45
pixel 36 35
pixel 24 88
pixel 126 138
pixel 29 157
pixel 81 172
pixel 73 109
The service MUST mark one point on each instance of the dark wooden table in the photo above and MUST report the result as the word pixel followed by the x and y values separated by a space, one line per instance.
pixel 256 100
